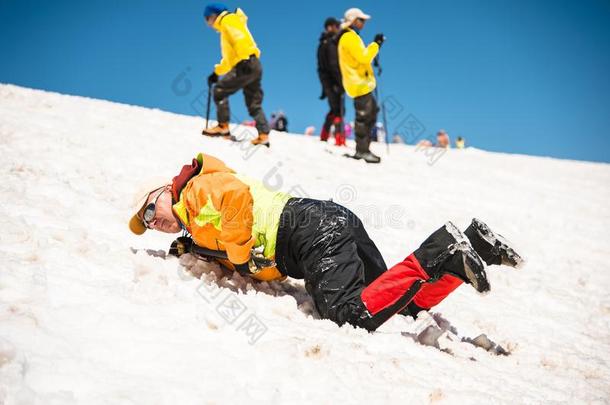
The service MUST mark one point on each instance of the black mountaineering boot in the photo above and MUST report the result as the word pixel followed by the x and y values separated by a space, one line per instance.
pixel 368 157
pixel 447 251
pixel 492 247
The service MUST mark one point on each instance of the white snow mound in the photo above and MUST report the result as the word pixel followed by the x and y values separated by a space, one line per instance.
pixel 90 314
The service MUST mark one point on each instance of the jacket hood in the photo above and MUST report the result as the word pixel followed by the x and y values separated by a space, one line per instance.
pixel 238 12
pixel 202 164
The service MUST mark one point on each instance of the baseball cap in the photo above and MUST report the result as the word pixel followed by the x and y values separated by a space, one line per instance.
pixel 136 225
pixel 353 13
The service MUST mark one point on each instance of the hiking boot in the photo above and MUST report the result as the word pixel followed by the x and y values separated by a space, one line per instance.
pixel 263 139
pixel 222 129
pixel 369 157
pixel 324 135
pixel 447 251
pixel 493 248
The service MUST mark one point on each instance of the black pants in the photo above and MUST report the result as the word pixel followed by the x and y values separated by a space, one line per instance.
pixel 326 245
pixel 245 75
pixel 334 95
pixel 366 117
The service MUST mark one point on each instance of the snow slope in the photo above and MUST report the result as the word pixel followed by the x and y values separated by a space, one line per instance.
pixel 84 319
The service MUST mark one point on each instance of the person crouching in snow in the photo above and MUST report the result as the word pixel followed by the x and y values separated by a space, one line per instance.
pixel 321 242
pixel 240 68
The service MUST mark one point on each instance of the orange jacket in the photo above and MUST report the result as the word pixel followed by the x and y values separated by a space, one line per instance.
pixel 228 212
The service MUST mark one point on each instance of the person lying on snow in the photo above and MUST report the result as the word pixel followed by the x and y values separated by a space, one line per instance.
pixel 321 242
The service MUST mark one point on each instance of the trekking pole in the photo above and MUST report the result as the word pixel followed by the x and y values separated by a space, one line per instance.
pixel 342 123
pixel 382 103
pixel 207 108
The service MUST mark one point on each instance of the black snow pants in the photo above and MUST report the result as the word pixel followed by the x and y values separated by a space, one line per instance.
pixel 246 75
pixel 366 117
pixel 326 244
pixel 334 95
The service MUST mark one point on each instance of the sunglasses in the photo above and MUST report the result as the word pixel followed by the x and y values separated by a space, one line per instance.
pixel 151 209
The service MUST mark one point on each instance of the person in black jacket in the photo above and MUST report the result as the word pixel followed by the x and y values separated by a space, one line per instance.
pixel 330 77
pixel 279 122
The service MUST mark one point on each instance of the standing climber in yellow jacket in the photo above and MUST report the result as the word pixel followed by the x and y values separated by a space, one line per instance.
pixel 240 68
pixel 358 78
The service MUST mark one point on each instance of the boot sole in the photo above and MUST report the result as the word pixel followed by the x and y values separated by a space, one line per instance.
pixel 500 245
pixel 477 279
pixel 217 135
pixel 470 260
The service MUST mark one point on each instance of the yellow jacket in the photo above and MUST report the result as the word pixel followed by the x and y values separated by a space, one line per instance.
pixel 236 42
pixel 355 63
pixel 229 212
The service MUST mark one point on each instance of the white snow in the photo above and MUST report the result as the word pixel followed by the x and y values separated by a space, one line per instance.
pixel 85 320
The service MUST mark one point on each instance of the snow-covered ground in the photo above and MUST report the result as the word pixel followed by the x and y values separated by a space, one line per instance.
pixel 91 314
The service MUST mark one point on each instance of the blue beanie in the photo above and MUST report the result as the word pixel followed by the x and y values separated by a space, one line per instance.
pixel 214 9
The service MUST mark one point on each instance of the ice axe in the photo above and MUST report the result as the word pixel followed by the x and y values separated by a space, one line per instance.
pixel 207 107
pixel 184 244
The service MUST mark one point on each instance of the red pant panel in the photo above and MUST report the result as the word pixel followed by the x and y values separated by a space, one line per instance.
pixel 392 285
pixel 324 134
pixel 432 294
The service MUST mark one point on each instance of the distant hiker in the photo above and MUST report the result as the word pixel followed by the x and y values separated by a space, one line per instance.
pixel 378 133
pixel 374 133
pixel 269 235
pixel 381 134
pixel 240 68
pixel 442 139
pixel 460 143
pixel 330 78
pixel 279 122
pixel 358 78
pixel 347 130
pixel 309 131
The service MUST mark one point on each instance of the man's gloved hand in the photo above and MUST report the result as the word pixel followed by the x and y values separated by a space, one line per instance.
pixel 379 38
pixel 212 79
pixel 246 269
pixel 323 95
pixel 180 246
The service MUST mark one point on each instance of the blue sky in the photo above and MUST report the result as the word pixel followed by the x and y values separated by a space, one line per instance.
pixel 514 76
